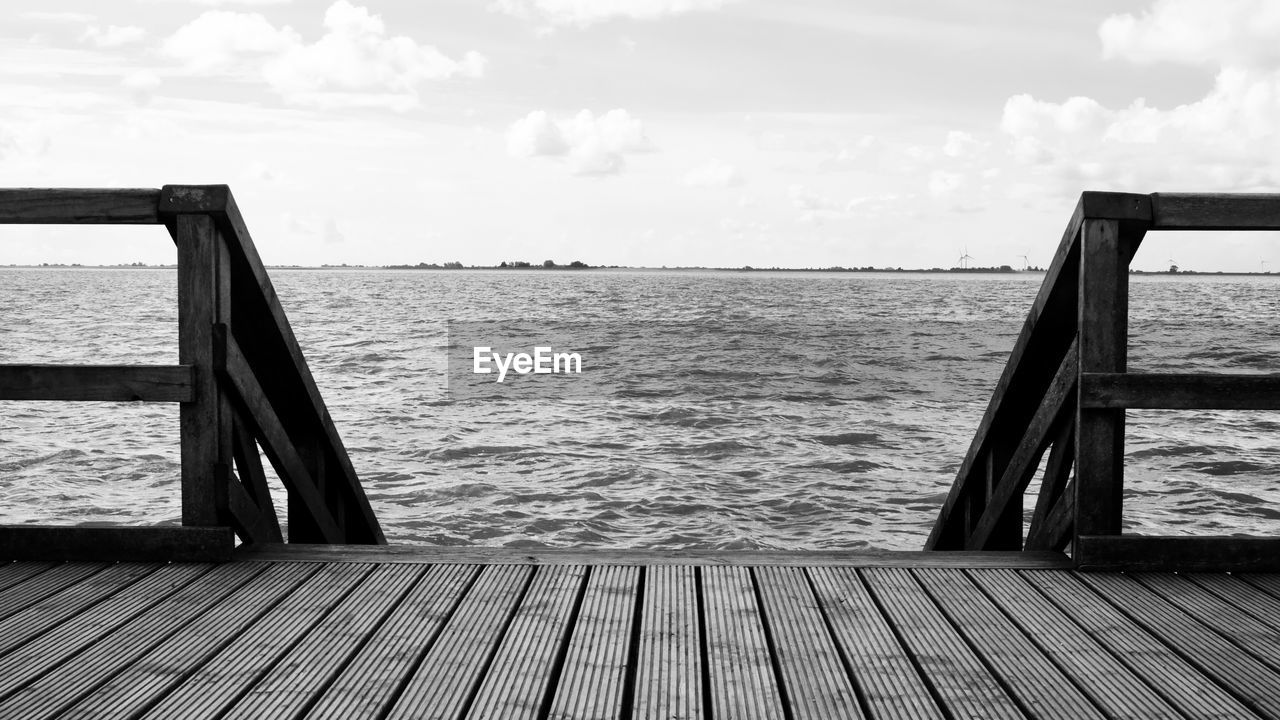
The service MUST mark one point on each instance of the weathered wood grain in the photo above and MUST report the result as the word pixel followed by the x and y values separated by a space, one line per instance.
pixel 1178 553
pixel 165 543
pixel 1053 488
pixel 254 480
pixel 1215 211
pixel 671 669
pixel 882 669
pixel 593 678
pixel 1250 633
pixel 21 595
pixel 56 608
pixel 79 206
pixel 1180 391
pixel 804 652
pixel 12 573
pixel 109 383
pixel 1164 670
pixel 739 663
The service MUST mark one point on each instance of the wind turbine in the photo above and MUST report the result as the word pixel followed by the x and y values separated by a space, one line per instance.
pixel 1025 262
pixel 1264 266
pixel 965 258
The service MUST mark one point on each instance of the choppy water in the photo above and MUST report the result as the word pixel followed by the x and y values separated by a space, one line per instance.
pixel 795 411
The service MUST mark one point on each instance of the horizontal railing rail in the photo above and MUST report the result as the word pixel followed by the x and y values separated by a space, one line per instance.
pixel 1064 391
pixel 242 384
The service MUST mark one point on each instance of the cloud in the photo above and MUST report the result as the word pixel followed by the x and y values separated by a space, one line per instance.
pixel 1225 32
pixel 1228 140
pixel 583 13
pixel 354 63
pixel 113 35
pixel 58 17
pixel 592 145
pixel 241 2
pixel 961 144
pixel 715 174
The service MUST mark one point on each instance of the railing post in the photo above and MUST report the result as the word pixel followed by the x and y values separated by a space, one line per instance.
pixel 1104 313
pixel 204 298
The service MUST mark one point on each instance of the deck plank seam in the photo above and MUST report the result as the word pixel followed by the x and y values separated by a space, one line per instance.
pixel 10 578
pixel 32 587
pixel 358 647
pixel 111 635
pixel 1200 664
pixel 1271 663
pixel 300 636
pixel 627 703
pixel 1263 583
pixel 496 646
pixel 1125 661
pixel 393 697
pixel 771 645
pixel 998 677
pixel 934 692
pixel 216 651
pixel 1271 620
pixel 85 608
pixel 704 652
pixel 103 637
pixel 1045 651
pixel 556 670
pixel 859 692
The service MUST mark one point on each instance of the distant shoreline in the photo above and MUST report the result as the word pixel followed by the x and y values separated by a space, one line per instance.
pixel 597 268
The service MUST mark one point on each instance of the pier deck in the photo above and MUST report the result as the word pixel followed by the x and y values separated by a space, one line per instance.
pixel 296 631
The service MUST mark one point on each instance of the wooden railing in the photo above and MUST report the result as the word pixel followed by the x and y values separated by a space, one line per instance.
pixel 241 383
pixel 1064 391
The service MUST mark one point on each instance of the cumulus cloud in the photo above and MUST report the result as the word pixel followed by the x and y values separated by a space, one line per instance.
pixel 961 144
pixel 355 62
pixel 714 174
pixel 1228 140
pixel 113 35
pixel 592 145
pixel 582 13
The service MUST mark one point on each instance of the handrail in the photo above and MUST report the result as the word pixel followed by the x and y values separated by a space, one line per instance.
pixel 1064 391
pixel 242 382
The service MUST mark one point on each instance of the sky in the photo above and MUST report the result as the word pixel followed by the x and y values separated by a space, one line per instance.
pixel 794 133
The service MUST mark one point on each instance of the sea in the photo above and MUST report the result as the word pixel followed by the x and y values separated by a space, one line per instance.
pixel 714 409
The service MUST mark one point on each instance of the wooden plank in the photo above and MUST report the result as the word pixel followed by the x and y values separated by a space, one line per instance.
pixel 372 680
pixel 12 573
pixel 144 681
pixel 1231 622
pixel 669 664
pixel 525 668
pixel 111 383
pixel 267 427
pixel 604 556
pixel 452 670
pixel 739 663
pixel 1053 485
pixel 169 543
pixel 78 206
pixel 254 481
pixel 200 306
pixel 1214 211
pixel 1103 340
pixel 58 607
pixel 1125 207
pixel 1026 457
pixel 1179 553
pixel 296 680
pixel 1180 391
pixel 883 671
pixel 1238 672
pixel 1037 684
pixel 807 658
pixel 1249 598
pixel 22 595
pixel 1165 671
pixel 57 668
pixel 275 351
pixel 220 681
pixel 961 683
pixel 251 523
pixel 1111 686
pixel 593 678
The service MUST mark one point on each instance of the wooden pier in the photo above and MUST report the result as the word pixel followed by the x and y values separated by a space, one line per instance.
pixel 298 632
pixel 1062 617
